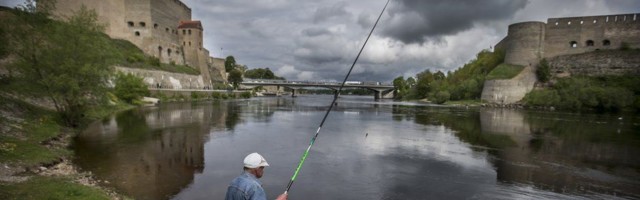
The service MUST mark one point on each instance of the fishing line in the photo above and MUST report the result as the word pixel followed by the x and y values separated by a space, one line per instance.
pixel 306 152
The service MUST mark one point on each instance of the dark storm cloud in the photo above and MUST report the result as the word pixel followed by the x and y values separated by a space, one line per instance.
pixel 414 21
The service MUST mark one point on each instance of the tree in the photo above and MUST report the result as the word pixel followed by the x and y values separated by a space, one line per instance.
pixel 130 88
pixel 441 97
pixel 235 77
pixel 229 64
pixel 543 72
pixel 260 73
pixel 423 84
pixel 68 63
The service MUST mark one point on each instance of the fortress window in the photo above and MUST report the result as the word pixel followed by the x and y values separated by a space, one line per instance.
pixel 184 43
pixel 166 29
pixel 143 24
pixel 606 42
pixel 169 52
pixel 155 25
pixel 589 43
pixel 573 44
pixel 137 33
pixel 189 31
pixel 184 32
pixel 130 23
pixel 189 43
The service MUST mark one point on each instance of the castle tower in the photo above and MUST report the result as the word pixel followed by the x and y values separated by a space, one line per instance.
pixel 190 37
pixel 195 55
pixel 526 42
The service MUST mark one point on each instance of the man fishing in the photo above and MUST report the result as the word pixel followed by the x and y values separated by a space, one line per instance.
pixel 246 186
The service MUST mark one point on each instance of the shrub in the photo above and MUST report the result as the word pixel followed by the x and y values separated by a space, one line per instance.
pixel 542 98
pixel 195 95
pixel 543 72
pixel 246 95
pixel 130 87
pixel 441 97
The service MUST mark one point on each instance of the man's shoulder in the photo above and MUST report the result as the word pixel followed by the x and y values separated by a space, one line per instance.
pixel 243 181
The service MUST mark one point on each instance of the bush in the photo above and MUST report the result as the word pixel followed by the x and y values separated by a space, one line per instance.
pixel 441 97
pixel 542 98
pixel 543 72
pixel 602 93
pixel 246 95
pixel 195 95
pixel 130 87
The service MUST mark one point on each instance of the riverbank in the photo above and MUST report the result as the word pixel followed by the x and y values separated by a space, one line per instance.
pixel 35 158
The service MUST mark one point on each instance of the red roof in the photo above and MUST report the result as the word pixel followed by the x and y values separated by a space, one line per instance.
pixel 190 24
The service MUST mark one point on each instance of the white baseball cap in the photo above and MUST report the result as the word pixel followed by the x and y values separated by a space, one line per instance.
pixel 255 160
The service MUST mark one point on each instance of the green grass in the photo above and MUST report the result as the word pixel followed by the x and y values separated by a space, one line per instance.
pixel 39 187
pixel 27 150
pixel 504 71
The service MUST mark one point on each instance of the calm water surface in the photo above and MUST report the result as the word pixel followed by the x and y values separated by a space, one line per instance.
pixel 412 151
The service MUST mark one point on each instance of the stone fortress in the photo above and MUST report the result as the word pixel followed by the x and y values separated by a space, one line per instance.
pixel 572 46
pixel 161 28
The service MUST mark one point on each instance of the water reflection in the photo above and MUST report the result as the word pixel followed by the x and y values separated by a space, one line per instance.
pixel 563 153
pixel 367 150
pixel 150 153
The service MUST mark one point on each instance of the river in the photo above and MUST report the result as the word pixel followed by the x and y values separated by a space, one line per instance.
pixel 366 150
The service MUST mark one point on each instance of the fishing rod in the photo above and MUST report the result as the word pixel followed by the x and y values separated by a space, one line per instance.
pixel 304 156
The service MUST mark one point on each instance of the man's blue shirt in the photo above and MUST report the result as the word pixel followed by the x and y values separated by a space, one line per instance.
pixel 245 187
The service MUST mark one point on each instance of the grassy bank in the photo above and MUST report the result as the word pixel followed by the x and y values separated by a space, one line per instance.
pixel 32 144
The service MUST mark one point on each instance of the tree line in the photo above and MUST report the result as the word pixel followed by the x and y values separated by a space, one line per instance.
pixel 464 83
pixel 597 92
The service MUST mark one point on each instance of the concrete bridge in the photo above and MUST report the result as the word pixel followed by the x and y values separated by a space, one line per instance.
pixel 381 90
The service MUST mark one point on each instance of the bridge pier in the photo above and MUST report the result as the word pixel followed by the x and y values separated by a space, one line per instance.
pixel 377 95
pixel 293 92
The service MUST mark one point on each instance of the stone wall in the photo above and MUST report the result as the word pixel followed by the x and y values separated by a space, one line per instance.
pixel 574 35
pixel 166 79
pixel 598 62
pixel 511 90
pixel 217 71
pixel 109 12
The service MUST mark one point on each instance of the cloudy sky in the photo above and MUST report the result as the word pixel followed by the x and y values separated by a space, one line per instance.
pixel 319 39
